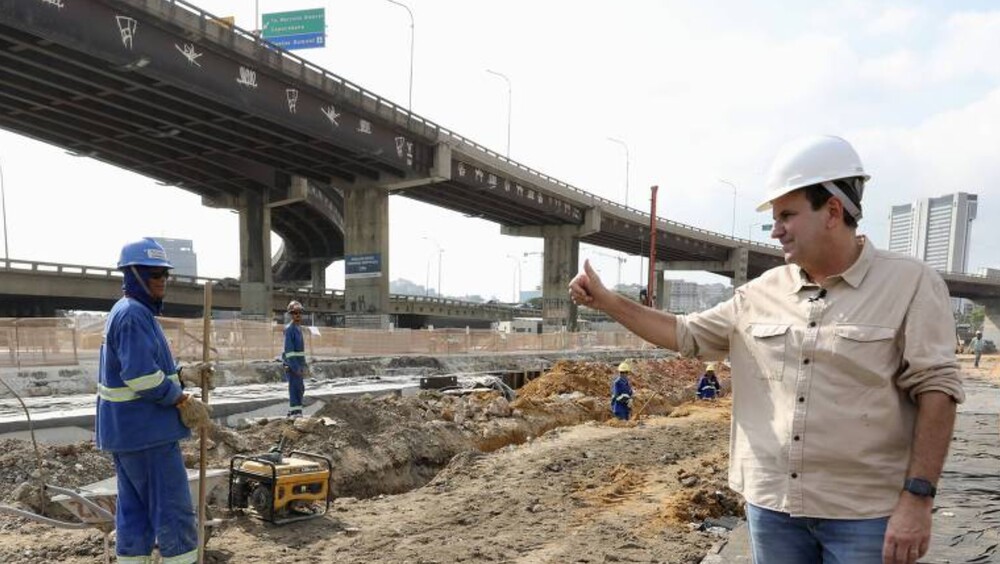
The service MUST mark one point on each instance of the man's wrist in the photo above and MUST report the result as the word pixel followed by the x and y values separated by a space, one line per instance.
pixel 920 487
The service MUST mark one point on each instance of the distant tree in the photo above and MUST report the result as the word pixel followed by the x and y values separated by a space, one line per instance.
pixel 535 303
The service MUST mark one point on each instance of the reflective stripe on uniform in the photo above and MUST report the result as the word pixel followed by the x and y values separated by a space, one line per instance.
pixel 186 558
pixel 145 382
pixel 126 393
pixel 294 354
pixel 134 559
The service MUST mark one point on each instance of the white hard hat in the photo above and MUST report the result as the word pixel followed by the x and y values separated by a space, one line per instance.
pixel 817 159
pixel 294 305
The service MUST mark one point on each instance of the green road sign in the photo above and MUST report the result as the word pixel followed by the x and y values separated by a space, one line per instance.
pixel 294 23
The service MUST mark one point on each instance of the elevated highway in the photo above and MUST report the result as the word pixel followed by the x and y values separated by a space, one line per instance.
pixel 165 89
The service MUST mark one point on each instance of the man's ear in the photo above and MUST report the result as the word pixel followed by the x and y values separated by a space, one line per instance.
pixel 835 211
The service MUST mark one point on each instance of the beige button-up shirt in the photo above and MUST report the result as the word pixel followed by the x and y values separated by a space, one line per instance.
pixel 825 380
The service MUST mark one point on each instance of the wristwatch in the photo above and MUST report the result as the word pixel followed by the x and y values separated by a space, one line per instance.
pixel 919 487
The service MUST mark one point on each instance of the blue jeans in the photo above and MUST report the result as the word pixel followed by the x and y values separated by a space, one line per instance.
pixel 778 538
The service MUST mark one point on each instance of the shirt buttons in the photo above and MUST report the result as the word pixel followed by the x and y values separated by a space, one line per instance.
pixel 795 475
pixel 806 361
pixel 796 437
pixel 812 324
pixel 802 399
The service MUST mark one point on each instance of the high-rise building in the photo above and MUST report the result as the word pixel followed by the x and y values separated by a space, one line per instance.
pixel 936 230
pixel 180 253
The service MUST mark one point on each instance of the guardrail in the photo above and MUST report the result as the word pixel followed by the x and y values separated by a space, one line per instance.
pixel 55 268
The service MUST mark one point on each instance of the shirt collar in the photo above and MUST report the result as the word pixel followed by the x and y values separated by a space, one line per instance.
pixel 854 275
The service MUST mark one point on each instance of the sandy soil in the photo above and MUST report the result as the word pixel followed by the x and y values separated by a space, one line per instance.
pixel 470 479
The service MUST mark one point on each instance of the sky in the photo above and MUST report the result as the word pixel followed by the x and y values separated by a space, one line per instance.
pixel 700 92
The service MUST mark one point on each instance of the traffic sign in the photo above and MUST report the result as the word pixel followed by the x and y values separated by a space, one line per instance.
pixel 299 22
pixel 303 41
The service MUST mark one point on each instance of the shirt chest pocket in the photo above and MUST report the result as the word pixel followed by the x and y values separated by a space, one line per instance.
pixel 769 344
pixel 866 354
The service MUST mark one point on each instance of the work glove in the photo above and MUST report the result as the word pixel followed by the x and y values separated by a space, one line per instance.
pixel 191 374
pixel 629 402
pixel 194 413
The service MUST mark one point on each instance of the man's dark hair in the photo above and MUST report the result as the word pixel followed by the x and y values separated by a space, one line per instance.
pixel 818 195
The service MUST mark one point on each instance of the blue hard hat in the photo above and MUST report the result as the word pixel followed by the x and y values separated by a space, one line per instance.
pixel 144 252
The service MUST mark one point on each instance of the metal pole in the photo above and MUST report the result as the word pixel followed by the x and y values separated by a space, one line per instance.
pixel 3 204
pixel 203 434
pixel 409 103
pixel 440 255
pixel 507 80
pixel 651 283
pixel 733 186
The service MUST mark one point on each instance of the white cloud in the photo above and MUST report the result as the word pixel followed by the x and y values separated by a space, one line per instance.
pixel 970 46
pixel 896 20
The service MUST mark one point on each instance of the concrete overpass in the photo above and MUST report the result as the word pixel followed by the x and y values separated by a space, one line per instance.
pixel 164 89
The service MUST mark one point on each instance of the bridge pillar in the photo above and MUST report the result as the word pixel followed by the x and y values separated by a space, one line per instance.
pixel 318 275
pixel 255 255
pixel 561 262
pixel 366 250
pixel 991 323
pixel 740 260
pixel 661 289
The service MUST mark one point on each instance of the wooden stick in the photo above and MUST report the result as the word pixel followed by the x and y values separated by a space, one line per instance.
pixel 643 408
pixel 203 433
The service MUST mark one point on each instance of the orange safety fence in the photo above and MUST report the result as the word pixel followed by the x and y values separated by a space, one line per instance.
pixel 67 341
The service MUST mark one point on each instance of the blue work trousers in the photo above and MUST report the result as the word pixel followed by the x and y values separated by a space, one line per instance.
pixel 154 506
pixel 296 391
pixel 778 538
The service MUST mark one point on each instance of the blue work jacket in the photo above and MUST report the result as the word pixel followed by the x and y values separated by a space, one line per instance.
pixel 294 355
pixel 137 382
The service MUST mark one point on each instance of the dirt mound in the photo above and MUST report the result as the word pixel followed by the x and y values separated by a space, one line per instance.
pixel 659 384
pixel 705 492
pixel 67 466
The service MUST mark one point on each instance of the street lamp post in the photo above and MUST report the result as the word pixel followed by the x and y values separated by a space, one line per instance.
pixel 627 161
pixel 409 103
pixel 733 186
pixel 440 252
pixel 517 279
pixel 3 205
pixel 507 80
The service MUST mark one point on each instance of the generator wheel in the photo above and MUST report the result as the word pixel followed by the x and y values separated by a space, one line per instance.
pixel 262 501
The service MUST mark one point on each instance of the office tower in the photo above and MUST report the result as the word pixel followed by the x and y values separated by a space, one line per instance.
pixel 937 230
pixel 181 254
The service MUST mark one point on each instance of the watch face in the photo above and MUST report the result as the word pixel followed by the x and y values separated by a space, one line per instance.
pixel 919 487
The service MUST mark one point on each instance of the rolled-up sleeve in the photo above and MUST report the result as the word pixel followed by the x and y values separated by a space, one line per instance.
pixel 706 334
pixel 929 363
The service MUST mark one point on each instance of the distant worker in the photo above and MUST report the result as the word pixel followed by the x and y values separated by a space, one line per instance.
pixel 294 359
pixel 976 346
pixel 142 413
pixel 708 384
pixel 844 377
pixel 621 392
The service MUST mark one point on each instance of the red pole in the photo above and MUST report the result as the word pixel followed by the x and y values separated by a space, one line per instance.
pixel 651 285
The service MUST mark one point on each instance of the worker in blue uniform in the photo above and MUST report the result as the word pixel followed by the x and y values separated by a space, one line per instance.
pixel 294 360
pixel 708 384
pixel 142 413
pixel 621 392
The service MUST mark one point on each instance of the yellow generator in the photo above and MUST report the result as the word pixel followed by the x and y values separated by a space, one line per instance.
pixel 281 489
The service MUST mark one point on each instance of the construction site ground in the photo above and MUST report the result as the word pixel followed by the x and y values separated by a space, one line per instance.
pixel 438 478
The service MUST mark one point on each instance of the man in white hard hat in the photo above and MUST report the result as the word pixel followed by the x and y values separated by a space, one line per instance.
pixel 844 375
